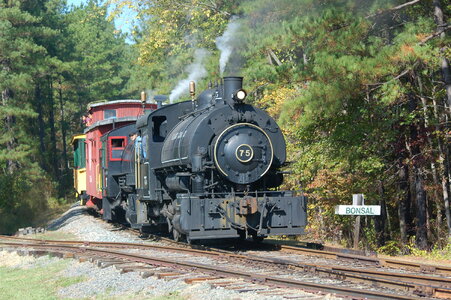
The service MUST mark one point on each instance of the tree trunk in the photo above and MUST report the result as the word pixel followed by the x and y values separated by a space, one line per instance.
pixel 417 158
pixel 443 148
pixel 9 120
pixel 446 188
pixel 440 21
pixel 404 204
pixel 54 152
pixel 435 177
pixel 421 232
pixel 38 96
pixel 380 221
pixel 63 127
pixel 11 144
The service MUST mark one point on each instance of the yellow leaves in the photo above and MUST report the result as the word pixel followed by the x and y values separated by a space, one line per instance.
pixel 333 185
pixel 273 100
pixel 405 52
pixel 421 36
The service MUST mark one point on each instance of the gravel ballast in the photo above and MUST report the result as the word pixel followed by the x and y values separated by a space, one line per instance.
pixel 109 282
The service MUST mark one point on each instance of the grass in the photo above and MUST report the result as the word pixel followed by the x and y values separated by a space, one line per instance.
pixel 53 236
pixel 169 296
pixel 53 211
pixel 40 282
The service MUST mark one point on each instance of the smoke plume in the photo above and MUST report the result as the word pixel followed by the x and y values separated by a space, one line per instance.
pixel 196 72
pixel 225 43
pixel 149 95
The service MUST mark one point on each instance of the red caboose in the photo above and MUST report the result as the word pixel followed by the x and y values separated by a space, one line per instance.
pixel 103 117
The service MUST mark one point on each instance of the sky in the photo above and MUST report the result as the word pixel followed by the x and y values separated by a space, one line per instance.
pixel 122 23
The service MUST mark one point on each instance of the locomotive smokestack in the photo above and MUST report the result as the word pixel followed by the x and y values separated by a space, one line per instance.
pixel 159 99
pixel 231 86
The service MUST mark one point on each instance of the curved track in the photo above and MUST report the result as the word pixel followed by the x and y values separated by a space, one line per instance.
pixel 414 284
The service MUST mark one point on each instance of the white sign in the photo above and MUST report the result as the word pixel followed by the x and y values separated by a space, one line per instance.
pixel 358 210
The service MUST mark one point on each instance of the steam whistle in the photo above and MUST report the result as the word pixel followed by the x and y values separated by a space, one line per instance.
pixel 192 92
pixel 143 100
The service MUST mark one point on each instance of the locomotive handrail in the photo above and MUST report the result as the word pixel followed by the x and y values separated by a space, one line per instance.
pixel 193 112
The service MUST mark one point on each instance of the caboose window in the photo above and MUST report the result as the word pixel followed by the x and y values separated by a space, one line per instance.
pixel 79 154
pixel 117 143
pixel 109 113
pixel 116 147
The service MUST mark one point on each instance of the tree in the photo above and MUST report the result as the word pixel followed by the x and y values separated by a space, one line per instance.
pixel 20 57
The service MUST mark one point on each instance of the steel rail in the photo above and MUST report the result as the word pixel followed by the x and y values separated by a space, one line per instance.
pixel 213 270
pixel 209 251
pixel 434 286
pixel 380 262
pixel 383 262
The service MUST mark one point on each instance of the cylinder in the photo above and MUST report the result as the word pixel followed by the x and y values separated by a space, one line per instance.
pixel 177 183
pixel 198 184
pixel 196 163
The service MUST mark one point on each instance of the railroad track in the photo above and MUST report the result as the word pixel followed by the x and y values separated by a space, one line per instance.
pixel 353 256
pixel 380 262
pixel 414 284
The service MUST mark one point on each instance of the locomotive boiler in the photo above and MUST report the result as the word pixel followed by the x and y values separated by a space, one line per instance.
pixel 210 169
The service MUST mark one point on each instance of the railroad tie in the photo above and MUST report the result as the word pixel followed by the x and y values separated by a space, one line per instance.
pixel 139 270
pixel 121 265
pixel 199 279
pixel 168 275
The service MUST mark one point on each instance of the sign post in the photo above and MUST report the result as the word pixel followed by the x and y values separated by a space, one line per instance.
pixel 358 208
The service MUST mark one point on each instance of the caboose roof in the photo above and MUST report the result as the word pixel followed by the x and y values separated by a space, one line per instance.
pixel 105 102
pixel 110 121
pixel 78 137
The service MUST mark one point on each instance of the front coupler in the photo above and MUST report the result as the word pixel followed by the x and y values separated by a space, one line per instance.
pixel 262 214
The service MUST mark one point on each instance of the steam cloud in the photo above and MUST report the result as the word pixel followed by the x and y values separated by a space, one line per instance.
pixel 196 71
pixel 225 43
pixel 149 95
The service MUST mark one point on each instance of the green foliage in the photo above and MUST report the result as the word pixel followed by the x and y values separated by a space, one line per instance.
pixel 21 202
pixel 438 252
pixel 346 123
pixel 95 53
pixel 391 248
pixel 353 85
pixel 53 61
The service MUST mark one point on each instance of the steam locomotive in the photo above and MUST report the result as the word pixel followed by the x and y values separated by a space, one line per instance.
pixel 208 168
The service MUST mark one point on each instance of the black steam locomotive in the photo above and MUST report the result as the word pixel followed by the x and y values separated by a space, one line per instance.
pixel 206 169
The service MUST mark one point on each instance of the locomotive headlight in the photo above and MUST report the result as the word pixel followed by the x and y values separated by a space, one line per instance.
pixel 240 95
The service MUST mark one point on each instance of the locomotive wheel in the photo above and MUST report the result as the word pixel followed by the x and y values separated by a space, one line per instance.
pixel 178 237
pixel 170 228
pixel 256 238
